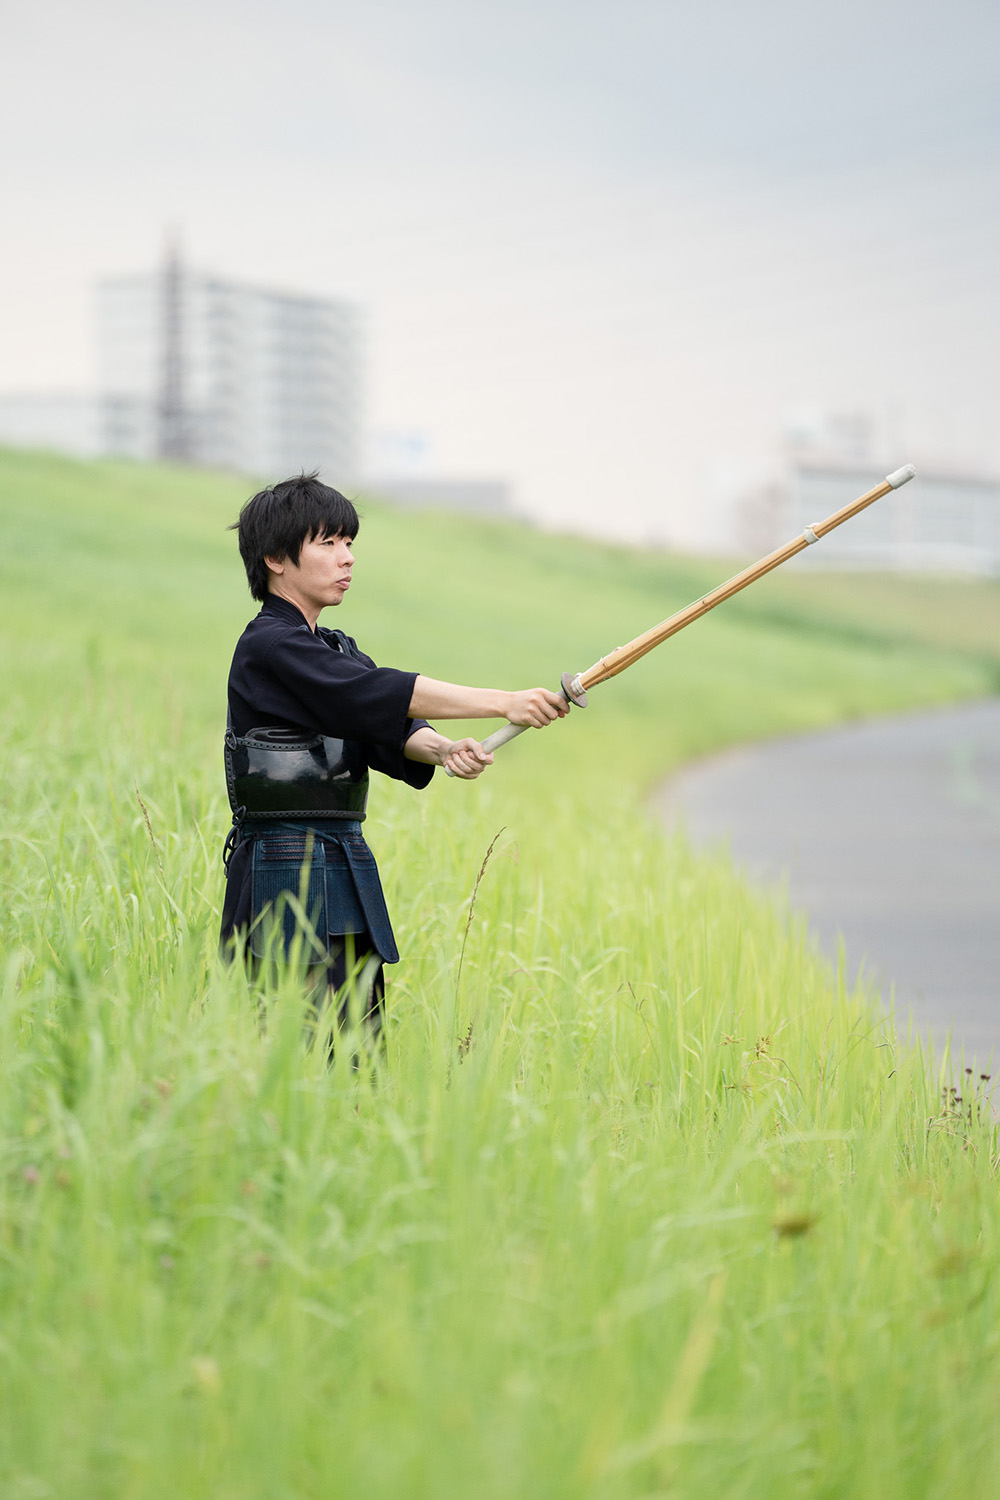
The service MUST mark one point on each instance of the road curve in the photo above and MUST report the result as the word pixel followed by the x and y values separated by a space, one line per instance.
pixel 888 835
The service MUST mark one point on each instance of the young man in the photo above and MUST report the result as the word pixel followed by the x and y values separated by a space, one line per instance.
pixel 309 715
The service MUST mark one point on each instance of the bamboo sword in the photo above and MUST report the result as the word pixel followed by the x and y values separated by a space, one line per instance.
pixel 574 689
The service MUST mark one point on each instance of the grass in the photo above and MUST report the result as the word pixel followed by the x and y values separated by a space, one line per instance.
pixel 643 1203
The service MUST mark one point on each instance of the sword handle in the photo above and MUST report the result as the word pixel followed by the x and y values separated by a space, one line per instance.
pixel 496 739
pixel 503 736
pixel 572 691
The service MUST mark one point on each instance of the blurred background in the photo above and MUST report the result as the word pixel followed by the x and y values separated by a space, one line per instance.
pixel 670 271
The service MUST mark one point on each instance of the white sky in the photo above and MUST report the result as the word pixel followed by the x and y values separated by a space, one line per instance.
pixel 604 248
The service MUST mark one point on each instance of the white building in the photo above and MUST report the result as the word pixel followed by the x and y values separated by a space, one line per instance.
pixel 209 371
pixel 944 521
pixel 483 497
pixel 63 421
pixel 940 522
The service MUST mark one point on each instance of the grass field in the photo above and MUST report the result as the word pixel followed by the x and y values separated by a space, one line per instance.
pixel 643 1203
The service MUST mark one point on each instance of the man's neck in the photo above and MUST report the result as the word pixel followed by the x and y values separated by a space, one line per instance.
pixel 309 612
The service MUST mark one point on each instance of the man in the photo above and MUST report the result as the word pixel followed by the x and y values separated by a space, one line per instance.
pixel 309 715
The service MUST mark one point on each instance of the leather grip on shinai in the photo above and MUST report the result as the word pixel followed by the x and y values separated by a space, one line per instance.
pixel 571 691
pixel 503 736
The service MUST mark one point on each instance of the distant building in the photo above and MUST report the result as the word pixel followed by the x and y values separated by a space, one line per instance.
pixel 939 522
pixel 484 497
pixel 401 469
pixel 203 370
pixel 65 421
pixel 943 521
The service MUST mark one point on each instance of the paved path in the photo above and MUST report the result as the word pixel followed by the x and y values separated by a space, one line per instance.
pixel 888 834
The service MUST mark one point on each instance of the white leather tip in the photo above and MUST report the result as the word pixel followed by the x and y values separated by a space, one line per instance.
pixel 900 476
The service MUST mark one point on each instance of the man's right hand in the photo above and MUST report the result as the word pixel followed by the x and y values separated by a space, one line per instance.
pixel 532 709
pixel 535 708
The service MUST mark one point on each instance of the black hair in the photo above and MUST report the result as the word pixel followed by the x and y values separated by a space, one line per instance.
pixel 276 521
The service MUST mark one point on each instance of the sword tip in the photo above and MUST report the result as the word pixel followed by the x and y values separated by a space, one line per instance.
pixel 900 476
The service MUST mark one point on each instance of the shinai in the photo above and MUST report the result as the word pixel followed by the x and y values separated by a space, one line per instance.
pixel 574 689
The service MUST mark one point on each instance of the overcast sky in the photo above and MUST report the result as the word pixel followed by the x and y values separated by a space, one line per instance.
pixel 605 249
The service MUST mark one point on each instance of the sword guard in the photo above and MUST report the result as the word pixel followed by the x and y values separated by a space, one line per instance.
pixel 573 689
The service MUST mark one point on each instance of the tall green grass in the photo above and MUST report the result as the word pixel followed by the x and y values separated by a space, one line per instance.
pixel 640 1202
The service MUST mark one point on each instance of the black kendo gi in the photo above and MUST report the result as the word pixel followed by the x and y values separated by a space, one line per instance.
pixel 308 715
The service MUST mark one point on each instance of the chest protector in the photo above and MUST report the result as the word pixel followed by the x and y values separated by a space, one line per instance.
pixel 283 773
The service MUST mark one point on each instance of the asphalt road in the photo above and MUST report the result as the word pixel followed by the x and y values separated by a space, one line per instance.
pixel 888 836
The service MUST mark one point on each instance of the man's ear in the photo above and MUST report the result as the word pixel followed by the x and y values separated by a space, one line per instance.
pixel 276 564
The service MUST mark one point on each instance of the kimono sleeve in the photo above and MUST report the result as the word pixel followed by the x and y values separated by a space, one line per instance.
pixel 341 696
pixel 388 759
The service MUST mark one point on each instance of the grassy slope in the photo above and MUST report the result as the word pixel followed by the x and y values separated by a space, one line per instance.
pixel 682 1217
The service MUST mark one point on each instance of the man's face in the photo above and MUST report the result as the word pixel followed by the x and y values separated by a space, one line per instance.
pixel 322 575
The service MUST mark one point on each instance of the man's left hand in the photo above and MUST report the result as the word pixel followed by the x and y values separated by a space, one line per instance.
pixel 466 758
